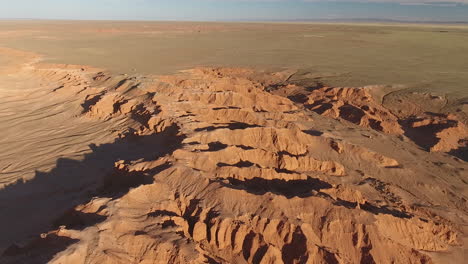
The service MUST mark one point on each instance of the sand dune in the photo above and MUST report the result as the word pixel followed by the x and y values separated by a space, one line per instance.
pixel 223 165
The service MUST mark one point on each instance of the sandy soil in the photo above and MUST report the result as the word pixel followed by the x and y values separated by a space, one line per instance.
pixel 418 56
pixel 223 165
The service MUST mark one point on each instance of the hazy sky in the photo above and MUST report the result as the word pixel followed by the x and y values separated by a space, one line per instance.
pixel 427 10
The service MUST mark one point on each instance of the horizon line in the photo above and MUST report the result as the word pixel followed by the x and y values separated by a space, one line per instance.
pixel 330 20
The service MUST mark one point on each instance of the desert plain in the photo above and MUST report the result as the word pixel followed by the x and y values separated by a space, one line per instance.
pixel 178 142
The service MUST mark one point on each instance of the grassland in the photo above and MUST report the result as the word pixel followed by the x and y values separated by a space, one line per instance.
pixel 428 57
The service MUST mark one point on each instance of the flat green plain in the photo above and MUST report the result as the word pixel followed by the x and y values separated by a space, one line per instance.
pixel 421 57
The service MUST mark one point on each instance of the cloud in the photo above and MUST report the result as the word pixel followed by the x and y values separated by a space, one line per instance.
pixel 449 3
pixel 444 4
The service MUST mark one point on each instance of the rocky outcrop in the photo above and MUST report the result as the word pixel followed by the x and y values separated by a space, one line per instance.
pixel 432 131
pixel 232 173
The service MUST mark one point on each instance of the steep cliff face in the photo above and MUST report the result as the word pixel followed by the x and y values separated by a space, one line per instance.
pixel 223 169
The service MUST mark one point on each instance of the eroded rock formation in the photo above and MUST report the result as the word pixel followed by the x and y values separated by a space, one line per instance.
pixel 435 132
pixel 229 171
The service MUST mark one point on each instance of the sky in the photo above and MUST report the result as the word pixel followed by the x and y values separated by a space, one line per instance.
pixel 235 10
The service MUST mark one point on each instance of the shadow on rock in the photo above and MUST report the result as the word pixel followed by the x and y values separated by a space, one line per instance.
pixel 289 189
pixel 30 208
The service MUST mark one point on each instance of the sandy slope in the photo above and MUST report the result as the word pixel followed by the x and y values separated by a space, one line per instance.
pixel 230 166
pixel 40 128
